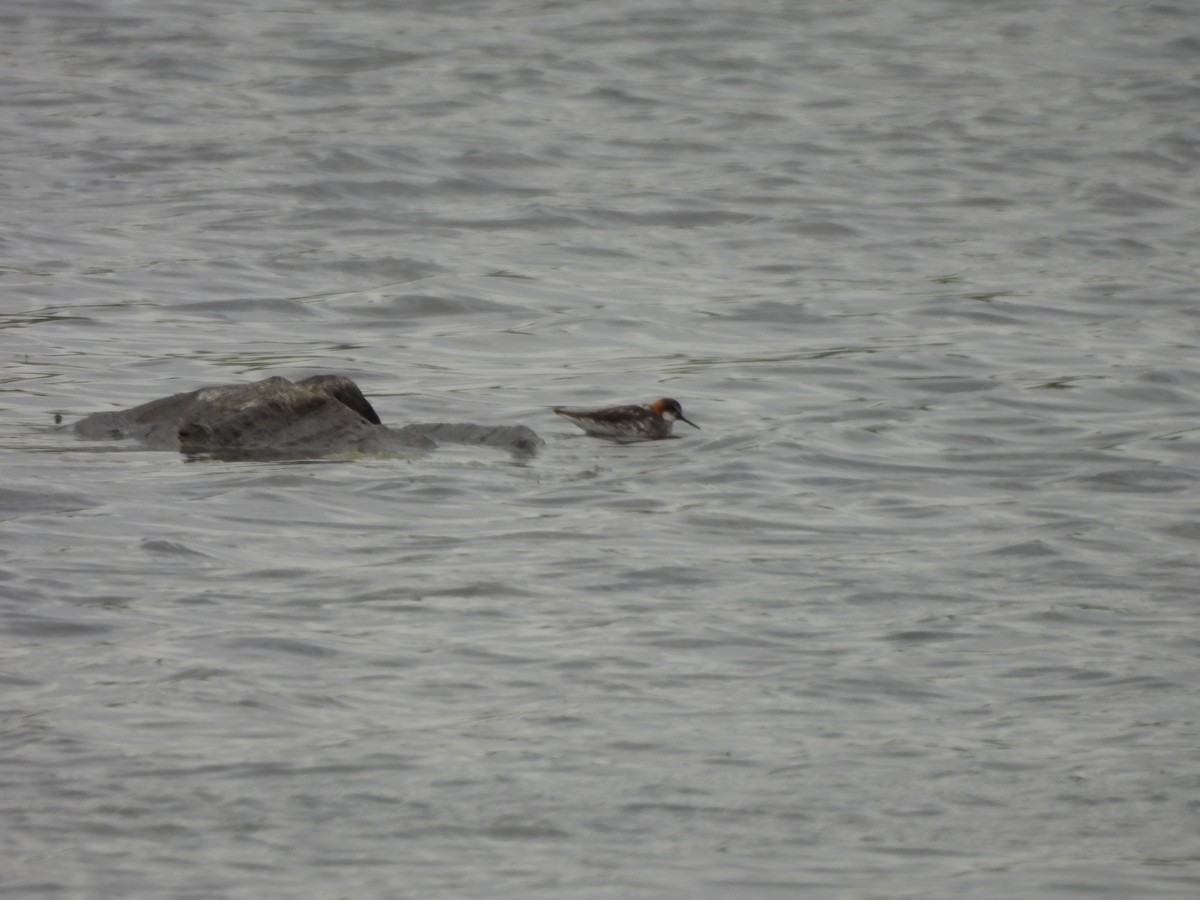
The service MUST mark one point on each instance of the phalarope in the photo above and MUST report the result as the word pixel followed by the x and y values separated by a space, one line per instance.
pixel 646 421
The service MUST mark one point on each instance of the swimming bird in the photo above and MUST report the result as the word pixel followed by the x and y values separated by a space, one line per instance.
pixel 641 422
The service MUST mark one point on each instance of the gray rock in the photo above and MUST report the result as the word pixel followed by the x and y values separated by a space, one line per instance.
pixel 317 416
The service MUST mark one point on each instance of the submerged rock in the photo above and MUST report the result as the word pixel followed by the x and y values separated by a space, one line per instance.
pixel 317 416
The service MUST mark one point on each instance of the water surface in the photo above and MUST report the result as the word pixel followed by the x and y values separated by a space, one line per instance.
pixel 912 616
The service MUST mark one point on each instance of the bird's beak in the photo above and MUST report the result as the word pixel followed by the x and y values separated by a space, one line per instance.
pixel 690 422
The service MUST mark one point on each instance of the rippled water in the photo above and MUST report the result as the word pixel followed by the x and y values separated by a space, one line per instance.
pixel 912 616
